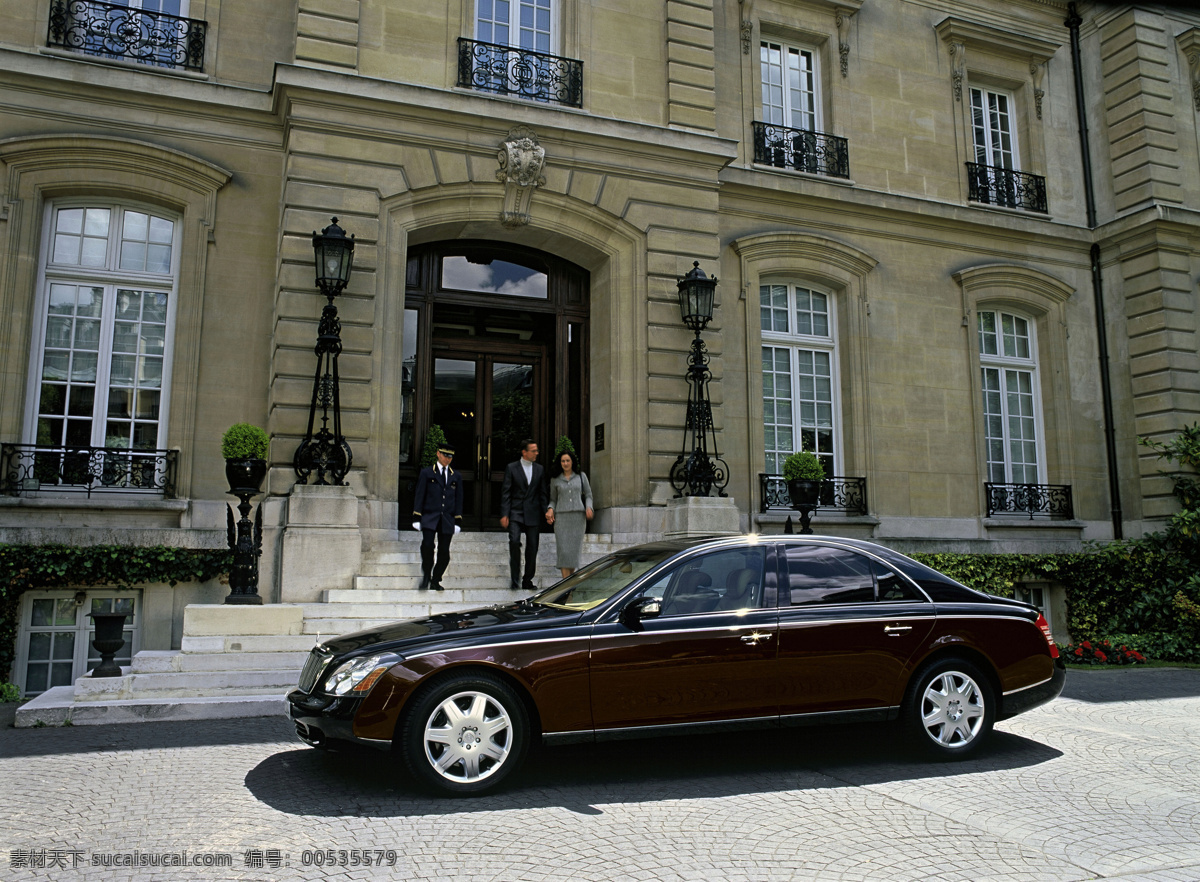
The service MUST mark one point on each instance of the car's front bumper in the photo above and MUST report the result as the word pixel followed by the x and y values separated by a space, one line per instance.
pixel 1035 696
pixel 321 719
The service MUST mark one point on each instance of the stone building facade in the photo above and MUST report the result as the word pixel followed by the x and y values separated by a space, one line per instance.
pixel 915 272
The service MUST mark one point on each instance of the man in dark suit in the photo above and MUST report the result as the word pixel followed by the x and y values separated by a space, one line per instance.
pixel 524 500
pixel 437 508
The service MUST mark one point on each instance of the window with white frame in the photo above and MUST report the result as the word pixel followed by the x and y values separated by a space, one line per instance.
pixel 521 24
pixel 992 127
pixel 789 81
pixel 54 647
pixel 102 355
pixel 1011 407
pixel 799 357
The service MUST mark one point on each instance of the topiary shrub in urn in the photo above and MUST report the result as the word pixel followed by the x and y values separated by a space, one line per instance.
pixel 244 447
pixel 803 473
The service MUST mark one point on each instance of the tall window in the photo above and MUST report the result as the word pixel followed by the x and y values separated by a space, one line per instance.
pixel 991 122
pixel 1010 399
pixel 521 24
pixel 789 86
pixel 102 359
pixel 800 406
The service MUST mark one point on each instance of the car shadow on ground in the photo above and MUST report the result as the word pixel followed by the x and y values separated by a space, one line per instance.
pixel 582 778
pixel 1108 684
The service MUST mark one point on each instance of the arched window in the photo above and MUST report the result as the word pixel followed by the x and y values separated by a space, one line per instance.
pixel 102 347
pixel 1011 405
pixel 799 358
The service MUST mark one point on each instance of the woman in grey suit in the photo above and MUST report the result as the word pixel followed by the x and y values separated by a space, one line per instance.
pixel 570 508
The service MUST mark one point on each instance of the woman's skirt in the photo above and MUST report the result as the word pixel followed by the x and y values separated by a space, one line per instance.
pixel 569 527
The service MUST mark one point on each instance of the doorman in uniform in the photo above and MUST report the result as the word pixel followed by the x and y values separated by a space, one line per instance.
pixel 437 508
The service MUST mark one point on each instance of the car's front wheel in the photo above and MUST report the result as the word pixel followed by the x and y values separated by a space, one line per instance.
pixel 465 734
pixel 949 709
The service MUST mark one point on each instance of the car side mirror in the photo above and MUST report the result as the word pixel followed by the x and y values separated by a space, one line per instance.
pixel 643 608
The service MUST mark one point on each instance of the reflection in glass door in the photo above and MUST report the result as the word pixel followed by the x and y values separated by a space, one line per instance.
pixel 486 404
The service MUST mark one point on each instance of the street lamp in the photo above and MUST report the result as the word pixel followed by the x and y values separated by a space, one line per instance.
pixel 697 471
pixel 327 452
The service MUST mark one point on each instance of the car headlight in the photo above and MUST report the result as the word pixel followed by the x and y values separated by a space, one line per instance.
pixel 359 674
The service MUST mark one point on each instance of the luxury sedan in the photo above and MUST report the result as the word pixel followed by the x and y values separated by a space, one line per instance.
pixel 685 636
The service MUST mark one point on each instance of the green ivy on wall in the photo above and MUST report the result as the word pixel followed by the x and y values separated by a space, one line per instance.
pixel 23 567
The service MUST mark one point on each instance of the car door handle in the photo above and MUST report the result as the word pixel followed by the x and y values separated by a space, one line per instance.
pixel 755 637
pixel 896 630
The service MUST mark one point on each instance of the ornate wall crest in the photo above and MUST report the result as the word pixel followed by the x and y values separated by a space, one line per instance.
pixel 521 160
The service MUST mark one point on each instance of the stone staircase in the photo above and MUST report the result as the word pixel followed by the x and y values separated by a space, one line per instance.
pixel 238 661
pixel 386 587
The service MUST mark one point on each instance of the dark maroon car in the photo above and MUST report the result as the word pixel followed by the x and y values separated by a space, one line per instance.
pixel 683 636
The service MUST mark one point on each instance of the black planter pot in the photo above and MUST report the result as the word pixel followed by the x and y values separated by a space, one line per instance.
pixel 109 639
pixel 245 475
pixel 804 492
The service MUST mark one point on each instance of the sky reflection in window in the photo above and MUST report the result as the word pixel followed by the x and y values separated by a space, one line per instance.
pixel 496 277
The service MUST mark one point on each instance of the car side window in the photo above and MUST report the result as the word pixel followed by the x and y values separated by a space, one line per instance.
pixel 820 574
pixel 891 587
pixel 721 581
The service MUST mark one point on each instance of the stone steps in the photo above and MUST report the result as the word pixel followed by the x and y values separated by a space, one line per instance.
pixel 170 662
pixel 188 684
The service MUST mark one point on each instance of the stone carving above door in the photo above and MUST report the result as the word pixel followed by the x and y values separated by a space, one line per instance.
pixel 521 161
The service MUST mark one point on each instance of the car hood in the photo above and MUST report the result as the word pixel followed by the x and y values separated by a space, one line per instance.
pixel 403 635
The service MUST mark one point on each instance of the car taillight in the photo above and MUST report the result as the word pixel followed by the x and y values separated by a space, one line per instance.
pixel 1045 626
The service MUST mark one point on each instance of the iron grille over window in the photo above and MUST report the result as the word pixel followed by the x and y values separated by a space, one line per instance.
pixel 813 152
pixel 110 30
pixel 840 495
pixel 491 67
pixel 992 185
pixel 1034 500
pixel 32 468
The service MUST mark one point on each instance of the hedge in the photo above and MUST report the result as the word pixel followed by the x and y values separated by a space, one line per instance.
pixel 23 567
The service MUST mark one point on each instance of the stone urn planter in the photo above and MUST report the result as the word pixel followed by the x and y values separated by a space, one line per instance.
pixel 804 475
pixel 110 637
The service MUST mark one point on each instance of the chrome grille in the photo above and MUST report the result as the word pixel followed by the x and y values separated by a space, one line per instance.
pixel 314 667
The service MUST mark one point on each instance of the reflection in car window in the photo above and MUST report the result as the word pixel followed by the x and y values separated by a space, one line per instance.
pixel 819 574
pixel 891 587
pixel 727 580
pixel 597 582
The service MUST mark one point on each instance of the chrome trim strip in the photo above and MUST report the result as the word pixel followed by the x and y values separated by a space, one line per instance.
pixel 640 731
pixel 512 642
pixel 833 717
pixel 783 621
pixel 1030 686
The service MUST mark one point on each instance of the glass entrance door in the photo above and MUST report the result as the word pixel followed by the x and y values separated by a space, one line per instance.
pixel 486 404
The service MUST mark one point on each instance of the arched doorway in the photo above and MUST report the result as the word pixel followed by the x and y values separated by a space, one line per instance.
pixel 495 351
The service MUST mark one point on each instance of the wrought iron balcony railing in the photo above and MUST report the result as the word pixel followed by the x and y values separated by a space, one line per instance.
pixel 847 496
pixel 992 185
pixel 1034 500
pixel 110 31
pixel 801 150
pixel 33 468
pixel 491 67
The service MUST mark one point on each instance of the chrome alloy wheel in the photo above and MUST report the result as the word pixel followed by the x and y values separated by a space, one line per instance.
pixel 468 737
pixel 953 709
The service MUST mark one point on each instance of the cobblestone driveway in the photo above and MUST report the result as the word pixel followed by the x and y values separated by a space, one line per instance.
pixel 1102 784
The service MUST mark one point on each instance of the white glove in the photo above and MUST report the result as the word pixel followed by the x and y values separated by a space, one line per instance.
pixel 457 529
pixel 417 526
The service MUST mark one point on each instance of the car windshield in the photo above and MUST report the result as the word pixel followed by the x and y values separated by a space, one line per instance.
pixel 599 581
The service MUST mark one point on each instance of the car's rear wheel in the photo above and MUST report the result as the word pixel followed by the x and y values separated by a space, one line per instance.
pixel 465 734
pixel 949 709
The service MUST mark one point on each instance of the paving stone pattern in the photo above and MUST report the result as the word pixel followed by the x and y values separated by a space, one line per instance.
pixel 1102 784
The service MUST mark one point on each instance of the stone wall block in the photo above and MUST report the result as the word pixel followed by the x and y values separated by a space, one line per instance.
pixel 321 53
pixel 333 30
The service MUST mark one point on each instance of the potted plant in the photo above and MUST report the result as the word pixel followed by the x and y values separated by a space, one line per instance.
pixel 244 447
pixel 803 473
pixel 434 438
